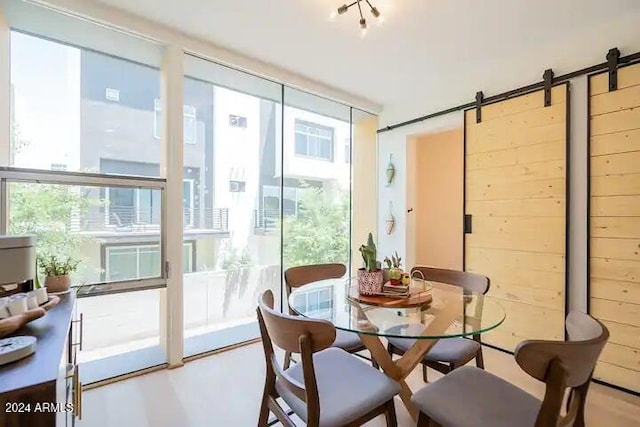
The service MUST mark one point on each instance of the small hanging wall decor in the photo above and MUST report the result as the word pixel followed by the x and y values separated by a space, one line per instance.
pixel 391 221
pixel 391 171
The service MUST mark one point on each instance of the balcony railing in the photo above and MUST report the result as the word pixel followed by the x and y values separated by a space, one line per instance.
pixel 131 219
pixel 268 219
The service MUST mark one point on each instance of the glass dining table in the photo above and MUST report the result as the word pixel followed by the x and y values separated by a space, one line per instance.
pixel 432 312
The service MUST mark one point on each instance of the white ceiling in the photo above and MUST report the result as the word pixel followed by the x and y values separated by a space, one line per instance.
pixel 427 55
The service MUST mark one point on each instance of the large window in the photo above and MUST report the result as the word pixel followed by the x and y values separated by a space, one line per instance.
pixel 62 116
pixel 316 192
pixel 240 117
pixel 314 140
pixel 82 119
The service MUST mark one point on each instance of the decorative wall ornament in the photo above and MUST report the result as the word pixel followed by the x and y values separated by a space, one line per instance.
pixel 391 171
pixel 363 22
pixel 391 220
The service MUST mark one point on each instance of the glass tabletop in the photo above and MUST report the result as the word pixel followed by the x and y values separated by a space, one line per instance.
pixel 338 301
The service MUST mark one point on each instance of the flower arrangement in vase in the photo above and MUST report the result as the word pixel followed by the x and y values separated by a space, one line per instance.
pixel 370 278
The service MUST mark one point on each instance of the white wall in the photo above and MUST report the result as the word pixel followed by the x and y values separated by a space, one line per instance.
pixel 395 143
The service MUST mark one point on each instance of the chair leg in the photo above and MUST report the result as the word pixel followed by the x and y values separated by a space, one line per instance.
pixel 390 414
pixel 479 359
pixel 263 419
pixel 423 420
pixel 374 363
pixel 287 360
pixel 424 374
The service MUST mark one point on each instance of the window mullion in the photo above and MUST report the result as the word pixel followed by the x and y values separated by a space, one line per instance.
pixel 172 227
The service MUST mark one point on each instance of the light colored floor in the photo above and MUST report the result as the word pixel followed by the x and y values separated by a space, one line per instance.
pixel 224 390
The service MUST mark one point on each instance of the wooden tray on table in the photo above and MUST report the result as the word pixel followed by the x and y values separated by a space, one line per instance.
pixel 415 299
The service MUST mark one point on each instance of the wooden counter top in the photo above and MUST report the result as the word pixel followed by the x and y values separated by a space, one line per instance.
pixel 42 366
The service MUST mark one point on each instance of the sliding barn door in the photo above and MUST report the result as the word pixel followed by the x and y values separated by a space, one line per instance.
pixel 614 223
pixel 515 193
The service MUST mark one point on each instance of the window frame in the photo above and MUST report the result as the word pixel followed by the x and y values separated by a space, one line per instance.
pixel 111 94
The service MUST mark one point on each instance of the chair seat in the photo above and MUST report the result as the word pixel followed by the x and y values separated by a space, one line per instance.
pixel 450 350
pixel 348 388
pixel 472 397
pixel 348 341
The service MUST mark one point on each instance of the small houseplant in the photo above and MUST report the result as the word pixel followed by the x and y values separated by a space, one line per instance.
pixel 395 272
pixel 57 271
pixel 370 278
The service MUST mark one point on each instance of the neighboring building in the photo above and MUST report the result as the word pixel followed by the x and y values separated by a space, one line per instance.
pixel 231 167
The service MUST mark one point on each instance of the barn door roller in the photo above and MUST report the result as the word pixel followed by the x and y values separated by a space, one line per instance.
pixel 479 99
pixel 548 82
pixel 613 58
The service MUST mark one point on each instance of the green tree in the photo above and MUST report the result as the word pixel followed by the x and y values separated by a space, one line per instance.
pixel 320 232
pixel 45 210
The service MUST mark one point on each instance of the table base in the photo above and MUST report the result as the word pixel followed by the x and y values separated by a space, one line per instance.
pixel 400 369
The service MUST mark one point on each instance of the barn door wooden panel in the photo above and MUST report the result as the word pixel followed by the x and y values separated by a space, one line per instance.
pixel 614 222
pixel 515 192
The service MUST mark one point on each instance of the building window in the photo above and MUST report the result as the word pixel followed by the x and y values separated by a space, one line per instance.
pixel 237 121
pixel 314 140
pixel 112 94
pixel 59 167
pixel 237 186
pixel 140 261
pixel 189 123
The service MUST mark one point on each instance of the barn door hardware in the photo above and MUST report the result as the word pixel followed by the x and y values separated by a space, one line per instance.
pixel 479 99
pixel 467 224
pixel 548 82
pixel 613 58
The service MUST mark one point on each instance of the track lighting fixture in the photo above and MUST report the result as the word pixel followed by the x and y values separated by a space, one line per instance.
pixel 363 22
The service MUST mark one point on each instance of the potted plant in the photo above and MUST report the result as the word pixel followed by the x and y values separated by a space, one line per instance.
pixel 370 278
pixel 56 272
pixel 395 272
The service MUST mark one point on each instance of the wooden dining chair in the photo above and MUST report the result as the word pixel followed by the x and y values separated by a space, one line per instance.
pixel 447 354
pixel 296 277
pixel 329 387
pixel 473 397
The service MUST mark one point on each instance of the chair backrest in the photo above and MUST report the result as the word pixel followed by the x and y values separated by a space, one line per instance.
pixel 468 281
pixel 295 334
pixel 295 277
pixel 564 364
pixel 285 330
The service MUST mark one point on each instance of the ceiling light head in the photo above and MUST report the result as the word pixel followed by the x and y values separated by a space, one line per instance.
pixel 363 23
pixel 343 9
pixel 375 12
